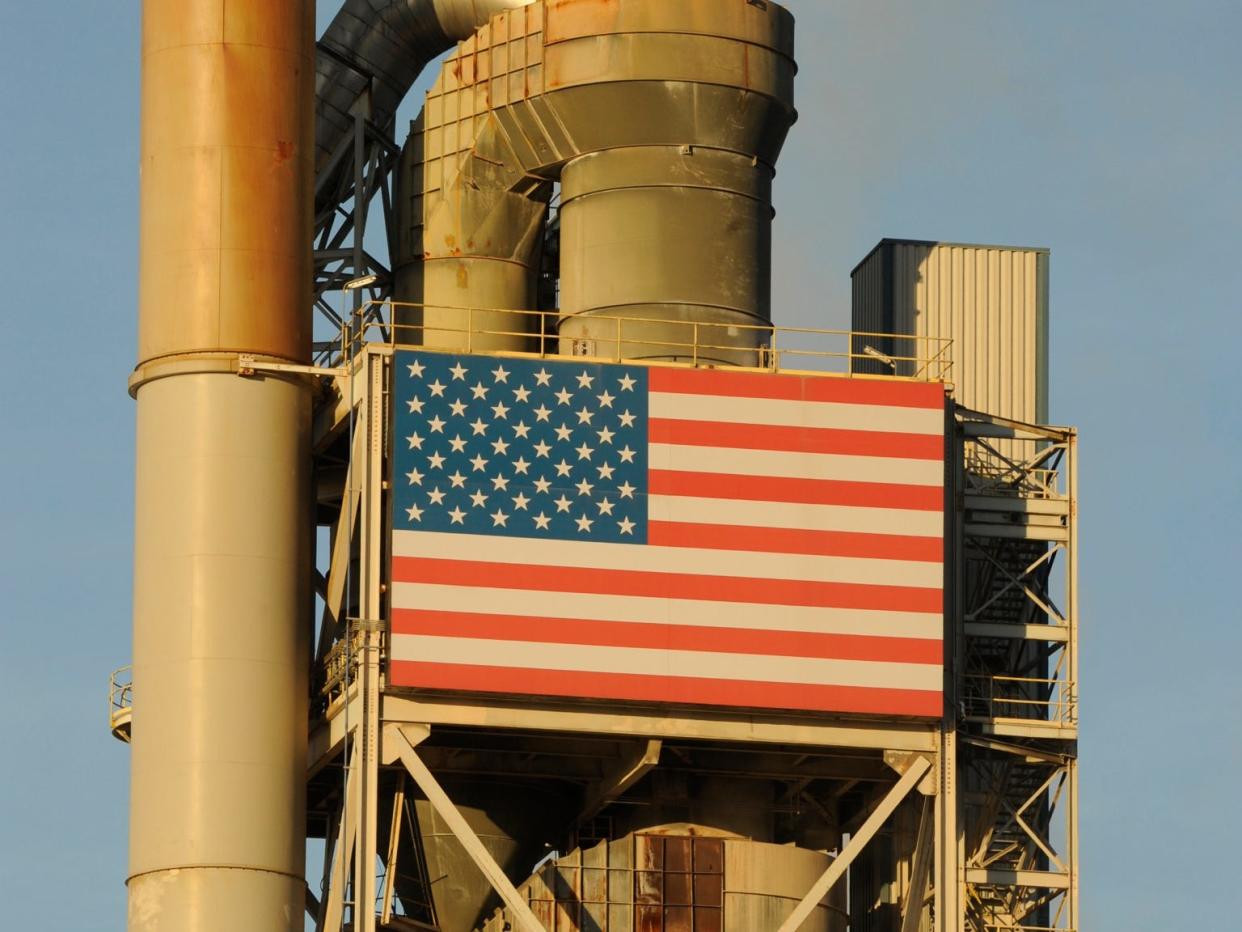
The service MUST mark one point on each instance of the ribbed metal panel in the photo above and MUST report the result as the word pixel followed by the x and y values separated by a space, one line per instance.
pixel 990 300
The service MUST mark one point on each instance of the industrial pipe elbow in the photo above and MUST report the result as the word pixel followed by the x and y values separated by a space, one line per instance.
pixel 460 18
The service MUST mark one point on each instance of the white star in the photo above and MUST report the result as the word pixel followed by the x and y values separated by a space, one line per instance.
pixel 500 447
pixel 500 484
pixel 543 377
pixel 458 480
pixel 480 390
pixel 458 408
pixel 500 411
pixel 479 427
pixel 459 371
pixel 479 463
pixel 542 449
pixel 563 468
pixel 584 524
pixel 521 430
pixel 415 513
pixel 605 507
pixel 564 397
pixel 479 499
pixel 584 452
pixel 627 526
pixel 416 442
pixel 500 374
pixel 627 419
pixel 500 519
pixel 458 445
pixel 563 432
pixel 605 471
pixel 605 435
pixel 520 466
pixel 521 393
pixel 542 485
pixel 416 477
pixel 627 490
pixel 562 503
pixel 437 425
pixel 584 416
pixel 436 496
pixel 605 400
pixel 542 521
pixel 416 369
pixel 437 388
pixel 541 413
pixel 458 516
pixel 520 502
pixel 584 487
pixel 436 461
pixel 627 384
pixel 416 405
pixel 627 455
pixel 584 380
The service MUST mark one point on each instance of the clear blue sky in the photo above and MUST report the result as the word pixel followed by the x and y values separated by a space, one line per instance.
pixel 1110 132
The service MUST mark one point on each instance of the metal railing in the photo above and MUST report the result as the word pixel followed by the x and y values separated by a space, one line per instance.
pixel 1019 697
pixel 616 338
pixel 121 702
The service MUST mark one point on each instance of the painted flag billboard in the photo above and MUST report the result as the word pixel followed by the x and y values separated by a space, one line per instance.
pixel 667 535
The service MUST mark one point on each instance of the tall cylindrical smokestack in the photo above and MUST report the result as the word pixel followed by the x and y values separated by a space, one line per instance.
pixel 221 597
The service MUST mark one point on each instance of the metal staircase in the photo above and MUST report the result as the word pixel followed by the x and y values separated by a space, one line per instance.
pixel 1017 683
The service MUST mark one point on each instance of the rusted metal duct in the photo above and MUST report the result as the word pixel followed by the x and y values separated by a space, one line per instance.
pixel 662 121
pixel 373 52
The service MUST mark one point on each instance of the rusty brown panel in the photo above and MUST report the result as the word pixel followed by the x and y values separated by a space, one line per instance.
pixel 708 856
pixel 679 919
pixel 708 920
pixel 648 852
pixel 708 890
pixel 648 919
pixel 677 854
pixel 678 889
pixel 648 887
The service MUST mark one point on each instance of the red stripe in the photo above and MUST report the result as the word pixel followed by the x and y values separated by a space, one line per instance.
pixel 797 439
pixel 793 540
pixel 892 392
pixel 667 689
pixel 666 637
pixel 807 593
pixel 801 491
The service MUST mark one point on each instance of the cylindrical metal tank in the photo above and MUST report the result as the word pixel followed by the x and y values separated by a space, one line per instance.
pixel 652 236
pixel 676 878
pixel 222 536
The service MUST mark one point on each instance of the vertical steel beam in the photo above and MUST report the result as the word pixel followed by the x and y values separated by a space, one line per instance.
pixel 403 749
pixel 222 497
pixel 836 870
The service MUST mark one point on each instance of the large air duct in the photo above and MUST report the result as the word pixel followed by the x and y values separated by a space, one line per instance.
pixel 222 534
pixel 373 52
pixel 662 121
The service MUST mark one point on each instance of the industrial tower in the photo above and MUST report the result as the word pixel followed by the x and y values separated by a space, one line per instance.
pixel 533 573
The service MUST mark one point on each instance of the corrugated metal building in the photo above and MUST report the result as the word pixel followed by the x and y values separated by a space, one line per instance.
pixel 992 301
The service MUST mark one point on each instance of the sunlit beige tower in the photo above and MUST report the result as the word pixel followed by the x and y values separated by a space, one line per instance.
pixel 222 536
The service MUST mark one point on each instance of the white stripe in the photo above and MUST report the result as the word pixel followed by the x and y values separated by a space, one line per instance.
pixel 684 560
pixel 656 662
pixel 737 462
pixel 662 611
pixel 795 515
pixel 727 408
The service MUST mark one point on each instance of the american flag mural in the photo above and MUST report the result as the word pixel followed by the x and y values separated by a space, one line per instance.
pixel 668 535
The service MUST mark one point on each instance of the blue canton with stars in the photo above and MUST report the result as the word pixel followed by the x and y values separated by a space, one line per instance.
pixel 519 447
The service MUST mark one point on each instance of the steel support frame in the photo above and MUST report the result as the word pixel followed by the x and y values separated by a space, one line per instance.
pixel 1009 832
